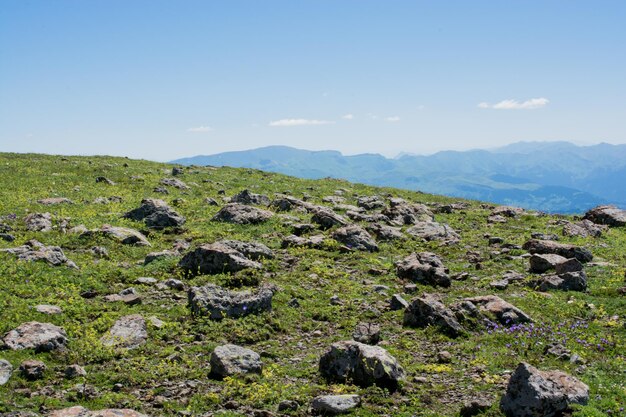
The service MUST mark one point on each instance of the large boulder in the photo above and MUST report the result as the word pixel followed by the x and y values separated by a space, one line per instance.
pixel 608 215
pixel 402 213
pixel 242 214
pixel 6 369
pixel 540 263
pixel 531 393
pixel 434 231
pixel 247 197
pixel 155 214
pixel 123 235
pixel 425 268
pixel 314 242
pixel 495 308
pixel 364 365
pixel 80 411
pixel 386 233
pixel 174 182
pixel 251 250
pixel 227 360
pixel 38 222
pixel 355 237
pixel 43 337
pixel 327 218
pixel 583 228
pixel 563 249
pixel 370 202
pixel 567 281
pixel 217 258
pixel 37 251
pixel 335 404
pixel 428 310
pixel 128 332
pixel 507 211
pixel 218 303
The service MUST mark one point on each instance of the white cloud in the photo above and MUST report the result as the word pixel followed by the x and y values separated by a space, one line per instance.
pixel 298 122
pixel 531 104
pixel 200 129
pixel 392 119
pixel 348 116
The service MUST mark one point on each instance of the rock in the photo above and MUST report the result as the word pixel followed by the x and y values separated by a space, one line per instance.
pixel 230 360
pixel 48 309
pixel 496 219
pixel 123 235
pixel 558 350
pixel 327 218
pixel 251 250
pixel 161 190
pixel 428 310
pixel 544 236
pixel 100 251
pixel 397 303
pixel 497 309
pixel 55 200
pixel 287 405
pixel 32 369
pixel 434 231
pixel 7 237
pixel 174 284
pixel 335 300
pixel 38 222
pixel 355 237
pixel 584 228
pixel 541 263
pixel 365 217
pixel 104 180
pixel 335 404
pixel 568 281
pixel 78 230
pixel 43 337
pixel 216 258
pixel 361 364
pixel 6 369
pixel 314 242
pixel 443 356
pixel 386 233
pixel 507 211
pixel 177 171
pixel 156 214
pixel 128 299
pixel 535 246
pixel 211 201
pixel 368 333
pixel 36 251
pixel 74 371
pixel 531 392
pixel 157 256
pixel 370 202
pixel 402 213
pixel 333 199
pixel 175 182
pixel 425 268
pixel 217 302
pixel 242 214
pixel 79 411
pixel 608 215
pixel 128 332
pixel 247 197
pixel 500 284
pixel 474 407
pixel 569 265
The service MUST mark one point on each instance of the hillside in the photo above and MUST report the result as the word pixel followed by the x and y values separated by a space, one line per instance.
pixel 556 177
pixel 134 322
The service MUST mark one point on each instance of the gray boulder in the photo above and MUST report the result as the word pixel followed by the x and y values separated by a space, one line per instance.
pixel 386 233
pixel 247 197
pixel 36 251
pixel 38 222
pixel 608 215
pixel 216 258
pixel 368 333
pixel 123 235
pixel 540 263
pixel 43 337
pixel 531 393
pixel 242 214
pixel 496 309
pixel 32 369
pixel 251 250
pixel 174 182
pixel 155 214
pixel 335 404
pixel 428 310
pixel 584 228
pixel 54 201
pixel 434 231
pixel 218 303
pixel 355 237
pixel 80 411
pixel 402 213
pixel 227 360
pixel 6 369
pixel 535 246
pixel 314 242
pixel 370 202
pixel 425 268
pixel 362 364
pixel 567 281
pixel 128 332
pixel 327 218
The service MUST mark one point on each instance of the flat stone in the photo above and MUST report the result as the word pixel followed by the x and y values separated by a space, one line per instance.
pixel 6 369
pixel 48 309
pixel 43 337
pixel 128 332
pixel 335 404
pixel 231 359
pixel 218 303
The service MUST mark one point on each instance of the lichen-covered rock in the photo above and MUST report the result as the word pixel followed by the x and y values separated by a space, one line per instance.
pixel 536 246
pixel 608 215
pixel 216 258
pixel 247 197
pixel 174 182
pixel 314 242
pixel 155 214
pixel 386 233
pixel 428 310
pixel 32 369
pixel 6 369
pixel 128 332
pixel 424 267
pixel 227 360
pixel 327 218
pixel 36 251
pixel 402 213
pixel 584 228
pixel 38 222
pixel 335 404
pixel 43 337
pixel 242 214
pixel 361 364
pixel 355 237
pixel 218 303
pixel 368 333
pixel 370 202
pixel 251 250
pixel 540 263
pixel 531 392
pixel 434 231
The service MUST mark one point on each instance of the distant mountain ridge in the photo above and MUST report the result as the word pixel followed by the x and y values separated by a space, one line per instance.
pixel 557 177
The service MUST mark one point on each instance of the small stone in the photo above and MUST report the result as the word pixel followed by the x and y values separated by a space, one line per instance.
pixel 74 371
pixel 48 309
pixel 368 333
pixel 287 405
pixel 231 359
pixel 146 281
pixel 6 369
pixel 444 356
pixel 335 300
pixel 397 302
pixel 474 407
pixel 175 284
pixel 335 404
pixel 32 369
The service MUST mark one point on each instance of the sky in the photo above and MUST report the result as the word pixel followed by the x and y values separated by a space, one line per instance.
pixel 167 79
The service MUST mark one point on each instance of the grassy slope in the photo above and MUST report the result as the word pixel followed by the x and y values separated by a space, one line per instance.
pixel 154 377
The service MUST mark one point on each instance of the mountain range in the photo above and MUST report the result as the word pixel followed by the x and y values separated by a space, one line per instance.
pixel 555 177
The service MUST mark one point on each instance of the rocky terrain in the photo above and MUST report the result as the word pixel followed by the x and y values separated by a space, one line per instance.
pixel 133 288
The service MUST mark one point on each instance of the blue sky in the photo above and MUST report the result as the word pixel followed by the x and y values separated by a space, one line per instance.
pixel 167 79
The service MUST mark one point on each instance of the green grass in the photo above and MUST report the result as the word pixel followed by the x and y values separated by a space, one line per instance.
pixel 169 374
